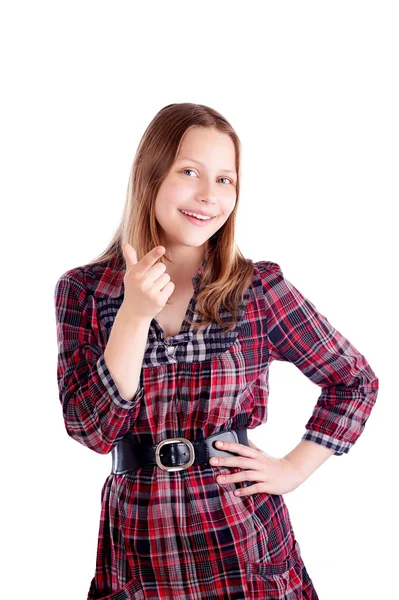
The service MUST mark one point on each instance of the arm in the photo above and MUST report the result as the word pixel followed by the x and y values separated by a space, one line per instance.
pixel 298 333
pixel 96 413
pixel 307 457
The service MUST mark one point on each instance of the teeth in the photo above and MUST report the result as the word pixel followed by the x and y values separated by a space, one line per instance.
pixel 202 217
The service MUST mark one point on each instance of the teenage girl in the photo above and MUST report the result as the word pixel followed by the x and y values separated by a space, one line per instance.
pixel 165 342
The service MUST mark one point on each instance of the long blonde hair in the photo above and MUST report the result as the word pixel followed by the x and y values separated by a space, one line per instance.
pixel 227 272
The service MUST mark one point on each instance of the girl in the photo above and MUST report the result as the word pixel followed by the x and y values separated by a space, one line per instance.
pixel 165 342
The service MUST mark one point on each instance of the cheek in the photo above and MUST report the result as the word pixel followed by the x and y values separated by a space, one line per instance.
pixel 174 192
pixel 227 206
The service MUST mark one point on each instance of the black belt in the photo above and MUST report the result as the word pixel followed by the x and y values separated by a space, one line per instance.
pixel 172 454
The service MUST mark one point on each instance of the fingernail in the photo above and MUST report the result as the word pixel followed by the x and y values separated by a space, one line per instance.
pixel 219 444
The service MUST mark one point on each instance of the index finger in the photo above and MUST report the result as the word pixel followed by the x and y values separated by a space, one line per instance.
pixel 237 448
pixel 148 260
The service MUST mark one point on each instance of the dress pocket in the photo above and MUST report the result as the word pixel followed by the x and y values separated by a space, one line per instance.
pixel 132 590
pixel 276 580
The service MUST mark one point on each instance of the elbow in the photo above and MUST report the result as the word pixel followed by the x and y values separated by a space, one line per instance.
pixel 372 385
pixel 93 439
pixel 83 422
pixel 376 383
pixel 366 382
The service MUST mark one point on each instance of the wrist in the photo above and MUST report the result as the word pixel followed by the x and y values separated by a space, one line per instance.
pixel 131 320
pixel 307 456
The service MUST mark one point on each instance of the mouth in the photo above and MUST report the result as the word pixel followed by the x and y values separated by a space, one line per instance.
pixel 195 221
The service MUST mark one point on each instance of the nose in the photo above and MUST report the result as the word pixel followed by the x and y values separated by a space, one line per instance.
pixel 207 194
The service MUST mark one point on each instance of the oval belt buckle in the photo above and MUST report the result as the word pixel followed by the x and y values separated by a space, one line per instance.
pixel 178 467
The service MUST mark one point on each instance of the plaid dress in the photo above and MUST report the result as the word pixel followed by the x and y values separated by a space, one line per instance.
pixel 181 534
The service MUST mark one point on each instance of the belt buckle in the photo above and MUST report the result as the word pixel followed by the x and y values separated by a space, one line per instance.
pixel 171 441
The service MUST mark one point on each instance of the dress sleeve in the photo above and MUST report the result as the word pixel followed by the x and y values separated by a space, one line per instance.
pixel 95 414
pixel 298 333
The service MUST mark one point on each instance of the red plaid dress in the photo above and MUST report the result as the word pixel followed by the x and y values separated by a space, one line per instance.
pixel 181 534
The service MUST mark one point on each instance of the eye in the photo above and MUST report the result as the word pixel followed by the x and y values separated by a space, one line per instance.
pixel 194 172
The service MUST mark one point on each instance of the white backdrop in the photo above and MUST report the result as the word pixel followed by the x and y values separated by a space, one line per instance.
pixel 312 91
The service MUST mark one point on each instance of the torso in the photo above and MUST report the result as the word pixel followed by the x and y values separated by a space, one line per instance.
pixel 171 317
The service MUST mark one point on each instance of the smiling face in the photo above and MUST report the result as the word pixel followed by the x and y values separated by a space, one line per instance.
pixel 202 179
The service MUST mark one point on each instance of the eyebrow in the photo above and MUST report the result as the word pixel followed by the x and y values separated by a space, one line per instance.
pixel 200 163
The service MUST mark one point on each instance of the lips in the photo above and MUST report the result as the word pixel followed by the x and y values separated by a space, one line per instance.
pixel 195 211
pixel 195 221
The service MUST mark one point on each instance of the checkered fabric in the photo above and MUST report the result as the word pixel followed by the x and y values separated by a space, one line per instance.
pixel 177 535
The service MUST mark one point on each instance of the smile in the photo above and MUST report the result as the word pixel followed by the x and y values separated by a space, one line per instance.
pixel 195 221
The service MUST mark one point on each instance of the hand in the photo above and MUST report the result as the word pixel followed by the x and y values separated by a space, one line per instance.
pixel 275 475
pixel 147 286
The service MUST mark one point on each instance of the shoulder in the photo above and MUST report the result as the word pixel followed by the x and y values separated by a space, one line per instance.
pixel 102 280
pixel 280 294
pixel 269 273
pixel 275 288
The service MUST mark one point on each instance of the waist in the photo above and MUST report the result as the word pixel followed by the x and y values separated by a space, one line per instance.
pixel 172 454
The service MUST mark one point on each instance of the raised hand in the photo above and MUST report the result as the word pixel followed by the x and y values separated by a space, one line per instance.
pixel 147 286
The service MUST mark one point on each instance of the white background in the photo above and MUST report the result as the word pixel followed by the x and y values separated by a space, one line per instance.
pixel 312 91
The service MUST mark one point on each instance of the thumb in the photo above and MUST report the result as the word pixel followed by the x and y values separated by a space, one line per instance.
pixel 130 255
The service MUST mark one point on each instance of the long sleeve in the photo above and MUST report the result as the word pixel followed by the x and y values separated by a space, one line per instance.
pixel 298 333
pixel 95 414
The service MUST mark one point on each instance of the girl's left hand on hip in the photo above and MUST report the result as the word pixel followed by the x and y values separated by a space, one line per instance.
pixel 274 475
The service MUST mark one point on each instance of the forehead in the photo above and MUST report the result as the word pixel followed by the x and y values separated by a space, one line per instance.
pixel 208 147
